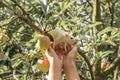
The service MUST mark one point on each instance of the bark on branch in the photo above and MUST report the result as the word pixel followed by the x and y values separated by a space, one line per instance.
pixel 27 19
pixel 33 26
pixel 82 54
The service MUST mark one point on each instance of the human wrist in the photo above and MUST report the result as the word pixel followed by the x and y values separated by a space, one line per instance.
pixel 68 65
pixel 56 63
pixel 68 62
pixel 71 71
pixel 55 70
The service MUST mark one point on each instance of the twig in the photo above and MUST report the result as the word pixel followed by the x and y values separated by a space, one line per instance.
pixel 24 12
pixel 27 21
pixel 25 17
pixel 89 3
pixel 46 25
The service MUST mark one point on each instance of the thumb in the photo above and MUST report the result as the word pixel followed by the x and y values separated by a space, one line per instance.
pixel 48 51
pixel 74 49
pixel 73 52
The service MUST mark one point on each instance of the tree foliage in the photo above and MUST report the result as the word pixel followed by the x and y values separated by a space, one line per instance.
pixel 21 23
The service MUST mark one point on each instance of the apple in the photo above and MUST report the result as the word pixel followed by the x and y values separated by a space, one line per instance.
pixel 105 64
pixel 43 65
pixel 3 38
pixel 44 42
pixel 1 55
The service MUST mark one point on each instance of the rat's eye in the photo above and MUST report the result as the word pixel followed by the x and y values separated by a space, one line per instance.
pixel 71 37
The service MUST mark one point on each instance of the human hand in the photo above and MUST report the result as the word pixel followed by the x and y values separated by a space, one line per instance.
pixel 53 57
pixel 62 48
pixel 66 59
pixel 71 56
pixel 69 66
pixel 67 51
pixel 55 70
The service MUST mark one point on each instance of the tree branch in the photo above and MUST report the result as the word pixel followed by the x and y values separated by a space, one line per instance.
pixel 27 19
pixel 97 67
pixel 33 26
pixel 82 54
pixel 24 12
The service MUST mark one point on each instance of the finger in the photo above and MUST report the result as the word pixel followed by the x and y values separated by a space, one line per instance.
pixel 73 52
pixel 50 51
pixel 74 49
pixel 69 47
pixel 59 56
pixel 56 48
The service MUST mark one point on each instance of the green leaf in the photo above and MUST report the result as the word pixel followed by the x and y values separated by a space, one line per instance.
pixel 3 68
pixel 94 24
pixel 66 5
pixel 111 43
pixel 22 28
pixel 44 5
pixel 105 53
pixel 80 9
pixel 16 60
pixel 16 63
pixel 17 56
pixel 107 29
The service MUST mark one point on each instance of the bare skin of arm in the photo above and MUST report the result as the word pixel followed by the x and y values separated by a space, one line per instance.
pixel 55 70
pixel 67 62
pixel 69 65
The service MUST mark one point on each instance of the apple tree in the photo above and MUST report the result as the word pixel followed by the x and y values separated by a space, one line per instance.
pixel 94 25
